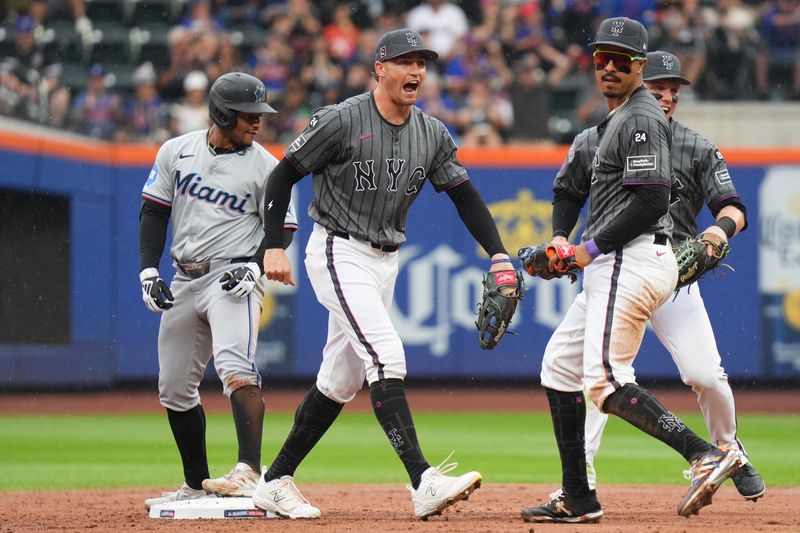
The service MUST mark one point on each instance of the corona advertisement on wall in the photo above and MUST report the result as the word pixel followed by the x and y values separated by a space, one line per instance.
pixel 779 270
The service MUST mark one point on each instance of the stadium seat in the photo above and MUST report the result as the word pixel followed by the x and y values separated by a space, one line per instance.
pixel 75 76
pixel 144 12
pixel 149 43
pixel 106 10
pixel 120 77
pixel 248 37
pixel 112 44
pixel 69 47
pixel 6 42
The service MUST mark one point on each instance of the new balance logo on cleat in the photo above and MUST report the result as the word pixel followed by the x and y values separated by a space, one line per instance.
pixel 282 497
pixel 437 491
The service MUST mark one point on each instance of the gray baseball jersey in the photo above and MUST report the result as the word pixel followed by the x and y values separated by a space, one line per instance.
pixel 701 176
pixel 633 148
pixel 217 201
pixel 367 172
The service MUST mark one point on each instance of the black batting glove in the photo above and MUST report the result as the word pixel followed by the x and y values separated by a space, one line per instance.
pixel 241 281
pixel 155 292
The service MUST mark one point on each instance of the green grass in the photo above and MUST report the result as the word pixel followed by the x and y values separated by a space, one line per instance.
pixel 85 451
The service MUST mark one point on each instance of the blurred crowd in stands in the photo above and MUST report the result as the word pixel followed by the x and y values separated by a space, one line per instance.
pixel 509 70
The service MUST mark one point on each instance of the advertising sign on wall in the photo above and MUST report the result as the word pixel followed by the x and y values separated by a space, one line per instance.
pixel 779 270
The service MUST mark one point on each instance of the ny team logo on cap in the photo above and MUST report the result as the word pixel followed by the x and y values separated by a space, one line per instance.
pixel 616 27
pixel 667 61
pixel 260 94
pixel 411 37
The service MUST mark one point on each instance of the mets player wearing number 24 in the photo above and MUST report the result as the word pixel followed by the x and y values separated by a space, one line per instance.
pixel 210 184
pixel 370 157
pixel 682 324
pixel 629 272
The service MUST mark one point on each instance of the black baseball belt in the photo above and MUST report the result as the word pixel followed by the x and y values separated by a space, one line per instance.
pixel 389 248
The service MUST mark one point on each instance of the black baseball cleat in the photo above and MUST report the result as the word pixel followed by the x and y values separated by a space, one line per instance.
pixel 749 483
pixel 564 509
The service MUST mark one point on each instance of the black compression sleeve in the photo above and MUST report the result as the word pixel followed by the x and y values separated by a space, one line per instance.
pixel 153 221
pixel 258 258
pixel 276 201
pixel 476 217
pixel 650 203
pixel 566 209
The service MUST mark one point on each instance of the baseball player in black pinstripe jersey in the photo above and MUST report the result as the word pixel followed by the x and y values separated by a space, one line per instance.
pixel 629 271
pixel 682 324
pixel 370 156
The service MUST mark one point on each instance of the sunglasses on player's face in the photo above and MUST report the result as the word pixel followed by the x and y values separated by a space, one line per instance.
pixel 622 61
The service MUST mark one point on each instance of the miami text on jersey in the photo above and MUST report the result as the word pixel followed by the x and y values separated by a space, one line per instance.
pixel 190 186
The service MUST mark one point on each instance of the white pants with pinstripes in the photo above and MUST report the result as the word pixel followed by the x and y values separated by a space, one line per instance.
pixel 355 283
pixel 683 327
pixel 602 331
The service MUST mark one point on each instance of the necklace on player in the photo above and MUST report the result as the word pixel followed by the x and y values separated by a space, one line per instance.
pixel 219 150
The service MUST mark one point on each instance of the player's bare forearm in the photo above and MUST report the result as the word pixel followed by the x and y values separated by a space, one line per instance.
pixel 582 255
pixel 277 266
pixel 730 221
pixel 498 263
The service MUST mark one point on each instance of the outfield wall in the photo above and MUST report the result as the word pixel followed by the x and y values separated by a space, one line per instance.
pixel 109 336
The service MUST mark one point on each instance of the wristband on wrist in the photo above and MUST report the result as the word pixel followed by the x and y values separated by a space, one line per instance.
pixel 727 225
pixel 592 249
pixel 496 261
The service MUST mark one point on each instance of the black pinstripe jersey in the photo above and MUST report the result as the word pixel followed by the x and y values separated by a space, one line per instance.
pixel 630 147
pixel 701 176
pixel 367 172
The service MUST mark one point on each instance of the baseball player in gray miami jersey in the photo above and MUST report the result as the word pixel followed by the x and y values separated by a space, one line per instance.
pixel 629 271
pixel 211 184
pixel 681 323
pixel 370 157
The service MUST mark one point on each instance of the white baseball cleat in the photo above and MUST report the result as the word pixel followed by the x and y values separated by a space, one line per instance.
pixel 282 497
pixel 240 481
pixel 183 493
pixel 436 491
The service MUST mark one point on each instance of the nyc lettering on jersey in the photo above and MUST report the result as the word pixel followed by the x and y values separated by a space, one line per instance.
pixel 365 176
pixel 190 185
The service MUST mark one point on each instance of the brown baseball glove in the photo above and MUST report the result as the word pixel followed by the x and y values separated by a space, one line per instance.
pixel 694 260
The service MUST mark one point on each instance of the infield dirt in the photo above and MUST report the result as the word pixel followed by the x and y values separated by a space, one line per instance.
pixel 387 508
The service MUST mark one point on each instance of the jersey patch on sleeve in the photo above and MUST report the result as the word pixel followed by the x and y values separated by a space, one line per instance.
pixel 723 176
pixel 312 123
pixel 298 143
pixel 640 162
pixel 640 136
pixel 719 155
pixel 151 179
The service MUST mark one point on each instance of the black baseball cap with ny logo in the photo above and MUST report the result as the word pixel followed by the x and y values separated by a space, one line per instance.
pixel 623 32
pixel 400 42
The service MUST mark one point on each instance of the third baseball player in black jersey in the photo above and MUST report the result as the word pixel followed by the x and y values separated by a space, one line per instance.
pixel 682 324
pixel 370 157
pixel 629 271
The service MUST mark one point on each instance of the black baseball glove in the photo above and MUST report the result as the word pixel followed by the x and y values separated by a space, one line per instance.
pixel 693 258
pixel 548 261
pixel 502 290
